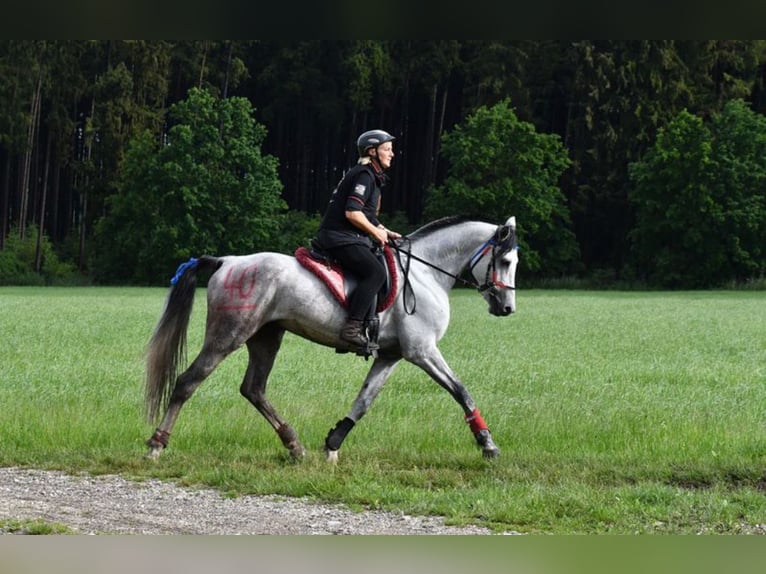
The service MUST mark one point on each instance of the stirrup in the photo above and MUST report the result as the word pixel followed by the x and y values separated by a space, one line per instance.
pixel 367 350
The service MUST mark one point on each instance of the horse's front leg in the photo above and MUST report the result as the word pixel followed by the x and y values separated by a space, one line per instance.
pixel 379 372
pixel 433 363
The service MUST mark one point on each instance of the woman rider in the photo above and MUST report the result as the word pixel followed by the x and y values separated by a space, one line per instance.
pixel 350 227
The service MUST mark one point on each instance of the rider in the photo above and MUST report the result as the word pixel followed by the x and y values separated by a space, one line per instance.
pixel 350 228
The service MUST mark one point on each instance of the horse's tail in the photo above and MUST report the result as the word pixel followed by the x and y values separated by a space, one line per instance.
pixel 167 347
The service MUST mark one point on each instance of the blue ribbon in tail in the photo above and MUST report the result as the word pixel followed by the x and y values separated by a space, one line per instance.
pixel 190 264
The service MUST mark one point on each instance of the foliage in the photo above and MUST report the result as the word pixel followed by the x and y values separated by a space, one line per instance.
pixel 739 144
pixel 607 99
pixel 295 229
pixel 700 197
pixel 501 166
pixel 207 189
pixel 17 262
pixel 69 109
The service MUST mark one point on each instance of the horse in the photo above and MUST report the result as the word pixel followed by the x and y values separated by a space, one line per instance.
pixel 254 299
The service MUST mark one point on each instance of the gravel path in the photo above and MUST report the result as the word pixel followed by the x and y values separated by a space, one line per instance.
pixel 114 505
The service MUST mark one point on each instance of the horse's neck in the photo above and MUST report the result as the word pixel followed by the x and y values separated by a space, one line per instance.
pixel 451 247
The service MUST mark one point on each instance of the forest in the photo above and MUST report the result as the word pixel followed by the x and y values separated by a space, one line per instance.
pixel 636 162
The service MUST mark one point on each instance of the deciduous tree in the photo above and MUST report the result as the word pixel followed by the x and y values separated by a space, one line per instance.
pixel 501 166
pixel 207 189
pixel 700 197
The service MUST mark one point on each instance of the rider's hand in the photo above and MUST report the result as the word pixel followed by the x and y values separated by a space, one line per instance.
pixel 380 235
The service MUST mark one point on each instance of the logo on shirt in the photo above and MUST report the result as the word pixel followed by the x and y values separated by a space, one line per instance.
pixel 359 189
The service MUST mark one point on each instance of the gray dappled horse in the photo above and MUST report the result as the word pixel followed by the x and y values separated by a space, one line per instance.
pixel 254 299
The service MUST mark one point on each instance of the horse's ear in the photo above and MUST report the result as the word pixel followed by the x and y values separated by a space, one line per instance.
pixel 511 221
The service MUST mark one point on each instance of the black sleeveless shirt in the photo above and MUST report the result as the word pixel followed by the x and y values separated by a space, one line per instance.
pixel 359 190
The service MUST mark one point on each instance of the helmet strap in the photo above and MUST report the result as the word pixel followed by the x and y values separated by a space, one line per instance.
pixel 375 160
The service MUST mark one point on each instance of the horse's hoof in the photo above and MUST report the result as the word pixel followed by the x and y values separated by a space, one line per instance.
pixel 490 453
pixel 298 453
pixel 154 453
pixel 331 456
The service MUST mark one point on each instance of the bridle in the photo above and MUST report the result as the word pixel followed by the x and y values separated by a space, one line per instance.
pixel 501 242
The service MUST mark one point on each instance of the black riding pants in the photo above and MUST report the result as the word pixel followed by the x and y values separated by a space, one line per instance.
pixel 362 262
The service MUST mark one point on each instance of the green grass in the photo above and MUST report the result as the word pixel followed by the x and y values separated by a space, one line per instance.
pixel 615 412
pixel 33 527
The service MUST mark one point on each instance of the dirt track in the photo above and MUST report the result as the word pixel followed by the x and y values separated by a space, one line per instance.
pixel 113 505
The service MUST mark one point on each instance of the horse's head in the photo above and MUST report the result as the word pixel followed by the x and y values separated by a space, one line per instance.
pixel 494 269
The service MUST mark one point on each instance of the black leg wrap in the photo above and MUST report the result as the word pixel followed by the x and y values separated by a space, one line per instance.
pixel 337 435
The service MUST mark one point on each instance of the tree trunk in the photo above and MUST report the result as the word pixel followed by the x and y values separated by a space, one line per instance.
pixel 33 119
pixel 225 90
pixel 84 196
pixel 83 213
pixel 53 225
pixel 4 203
pixel 428 153
pixel 438 134
pixel 407 200
pixel 202 64
pixel 41 221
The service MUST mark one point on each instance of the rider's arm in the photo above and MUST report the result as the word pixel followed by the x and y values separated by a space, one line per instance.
pixel 359 220
pixel 358 197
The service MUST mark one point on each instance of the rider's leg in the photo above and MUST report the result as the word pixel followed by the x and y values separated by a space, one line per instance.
pixel 361 261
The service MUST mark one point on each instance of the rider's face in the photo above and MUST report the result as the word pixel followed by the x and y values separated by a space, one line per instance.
pixel 385 154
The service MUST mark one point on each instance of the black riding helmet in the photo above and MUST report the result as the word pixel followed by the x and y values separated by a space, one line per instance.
pixel 372 138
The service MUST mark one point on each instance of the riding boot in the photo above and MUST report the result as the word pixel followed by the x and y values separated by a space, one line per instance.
pixel 353 333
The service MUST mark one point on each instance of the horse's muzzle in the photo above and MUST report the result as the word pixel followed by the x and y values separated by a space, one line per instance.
pixel 502 311
pixel 499 310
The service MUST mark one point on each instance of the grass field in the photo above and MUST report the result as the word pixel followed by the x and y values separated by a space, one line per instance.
pixel 615 412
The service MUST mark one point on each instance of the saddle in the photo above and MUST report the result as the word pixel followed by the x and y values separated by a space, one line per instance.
pixel 341 283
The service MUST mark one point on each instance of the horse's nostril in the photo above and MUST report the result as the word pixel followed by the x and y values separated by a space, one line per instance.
pixel 509 310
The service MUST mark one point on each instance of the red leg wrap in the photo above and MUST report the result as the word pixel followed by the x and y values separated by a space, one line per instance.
pixel 475 421
pixel 161 437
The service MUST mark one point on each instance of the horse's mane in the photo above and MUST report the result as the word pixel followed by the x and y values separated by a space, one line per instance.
pixel 438 224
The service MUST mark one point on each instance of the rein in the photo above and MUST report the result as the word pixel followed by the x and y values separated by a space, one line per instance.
pixel 406 269
pixel 491 244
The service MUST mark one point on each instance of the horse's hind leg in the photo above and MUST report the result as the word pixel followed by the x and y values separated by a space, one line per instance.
pixel 263 348
pixel 184 387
